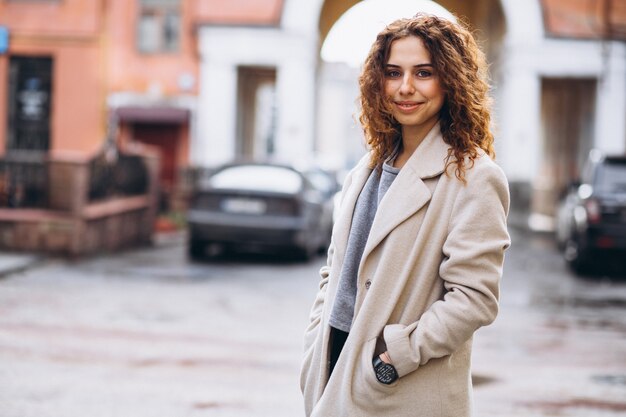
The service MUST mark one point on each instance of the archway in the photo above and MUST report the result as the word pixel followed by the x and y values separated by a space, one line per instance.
pixel 331 11
pixel 486 17
pixel 337 130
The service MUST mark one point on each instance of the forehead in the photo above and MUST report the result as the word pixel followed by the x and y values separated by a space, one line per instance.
pixel 408 50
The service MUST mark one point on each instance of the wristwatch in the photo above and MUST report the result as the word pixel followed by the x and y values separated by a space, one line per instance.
pixel 385 372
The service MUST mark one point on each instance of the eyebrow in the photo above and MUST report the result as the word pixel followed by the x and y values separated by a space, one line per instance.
pixel 428 64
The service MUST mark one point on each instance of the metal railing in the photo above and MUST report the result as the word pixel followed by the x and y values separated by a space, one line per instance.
pixel 24 180
pixel 114 174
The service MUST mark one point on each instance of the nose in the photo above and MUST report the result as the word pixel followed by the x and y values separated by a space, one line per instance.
pixel 407 87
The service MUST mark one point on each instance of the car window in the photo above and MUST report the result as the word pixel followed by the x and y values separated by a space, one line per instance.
pixel 322 181
pixel 258 178
pixel 612 177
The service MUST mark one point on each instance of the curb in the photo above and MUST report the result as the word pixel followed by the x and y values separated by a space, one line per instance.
pixel 15 263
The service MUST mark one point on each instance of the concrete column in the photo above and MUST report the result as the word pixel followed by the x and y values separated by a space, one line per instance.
pixel 339 141
pixel 610 124
pixel 519 131
pixel 223 50
pixel 216 117
pixel 295 89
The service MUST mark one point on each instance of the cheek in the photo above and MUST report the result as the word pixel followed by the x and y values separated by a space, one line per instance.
pixel 434 91
pixel 389 89
pixel 437 95
pixel 441 98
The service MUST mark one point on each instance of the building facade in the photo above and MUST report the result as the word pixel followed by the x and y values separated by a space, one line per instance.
pixel 559 78
pixel 75 72
pixel 206 81
pixel 52 88
pixel 561 91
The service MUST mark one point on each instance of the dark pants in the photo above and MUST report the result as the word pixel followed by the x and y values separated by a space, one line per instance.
pixel 337 340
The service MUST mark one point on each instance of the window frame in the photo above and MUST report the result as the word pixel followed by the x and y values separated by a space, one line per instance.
pixel 160 10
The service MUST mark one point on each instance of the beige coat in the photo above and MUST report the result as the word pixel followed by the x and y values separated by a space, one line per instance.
pixel 428 279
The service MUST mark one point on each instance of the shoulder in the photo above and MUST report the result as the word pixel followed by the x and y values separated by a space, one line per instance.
pixel 479 203
pixel 363 164
pixel 484 169
pixel 484 181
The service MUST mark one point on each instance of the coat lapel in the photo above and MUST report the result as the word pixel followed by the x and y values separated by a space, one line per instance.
pixel 408 193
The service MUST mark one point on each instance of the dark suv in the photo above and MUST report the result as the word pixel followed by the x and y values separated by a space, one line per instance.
pixel 591 218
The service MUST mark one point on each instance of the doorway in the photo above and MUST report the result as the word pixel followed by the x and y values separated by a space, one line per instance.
pixel 165 138
pixel 256 112
pixel 30 98
pixel 567 120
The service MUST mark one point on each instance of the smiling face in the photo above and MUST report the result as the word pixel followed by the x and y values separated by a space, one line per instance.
pixel 413 87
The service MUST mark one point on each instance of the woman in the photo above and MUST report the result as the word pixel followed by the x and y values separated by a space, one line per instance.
pixel 417 250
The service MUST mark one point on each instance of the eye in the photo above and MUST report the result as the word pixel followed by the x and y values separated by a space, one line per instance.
pixel 423 73
pixel 392 73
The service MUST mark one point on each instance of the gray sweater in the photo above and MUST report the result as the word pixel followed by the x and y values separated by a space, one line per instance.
pixel 366 205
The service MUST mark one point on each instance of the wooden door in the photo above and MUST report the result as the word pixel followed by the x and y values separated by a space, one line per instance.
pixel 567 119
pixel 164 137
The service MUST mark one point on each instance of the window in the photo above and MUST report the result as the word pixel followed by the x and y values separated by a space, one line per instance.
pixel 258 178
pixel 158 27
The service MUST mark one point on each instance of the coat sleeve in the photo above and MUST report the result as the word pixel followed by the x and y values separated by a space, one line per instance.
pixel 471 270
pixel 315 316
pixel 315 319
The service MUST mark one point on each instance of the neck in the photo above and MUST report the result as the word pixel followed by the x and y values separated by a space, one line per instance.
pixel 412 136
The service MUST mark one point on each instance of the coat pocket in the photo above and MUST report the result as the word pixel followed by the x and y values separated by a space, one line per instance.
pixel 365 375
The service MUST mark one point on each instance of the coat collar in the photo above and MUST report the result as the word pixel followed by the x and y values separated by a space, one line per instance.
pixel 429 159
pixel 407 193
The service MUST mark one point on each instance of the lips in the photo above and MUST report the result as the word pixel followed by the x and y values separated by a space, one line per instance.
pixel 407 106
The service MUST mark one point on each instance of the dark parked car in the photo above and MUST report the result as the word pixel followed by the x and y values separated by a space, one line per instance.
pixel 591 219
pixel 258 206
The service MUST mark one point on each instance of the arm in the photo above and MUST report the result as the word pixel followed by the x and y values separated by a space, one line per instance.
pixel 471 271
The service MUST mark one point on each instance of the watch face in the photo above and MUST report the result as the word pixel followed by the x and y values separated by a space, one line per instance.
pixel 386 373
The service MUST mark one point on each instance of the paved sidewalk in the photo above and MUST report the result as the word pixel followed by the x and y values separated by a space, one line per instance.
pixel 13 262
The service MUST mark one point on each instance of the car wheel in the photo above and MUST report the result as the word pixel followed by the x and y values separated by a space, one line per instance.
pixel 575 256
pixel 196 249
pixel 306 253
pixel 561 242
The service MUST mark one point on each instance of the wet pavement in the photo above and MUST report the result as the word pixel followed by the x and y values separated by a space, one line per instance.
pixel 146 333
pixel 558 347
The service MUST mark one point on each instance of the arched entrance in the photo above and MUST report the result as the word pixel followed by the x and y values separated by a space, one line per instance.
pixel 485 16
pixel 338 133
pixel 527 79
pixel 331 11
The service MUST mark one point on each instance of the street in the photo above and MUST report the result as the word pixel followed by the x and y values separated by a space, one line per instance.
pixel 147 333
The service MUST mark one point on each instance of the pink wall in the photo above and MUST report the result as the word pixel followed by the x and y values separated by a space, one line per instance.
pixel 130 70
pixel 70 33
pixel 240 12
pixel 585 19
pixel 94 49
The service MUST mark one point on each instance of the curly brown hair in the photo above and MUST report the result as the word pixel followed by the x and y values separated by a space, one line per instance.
pixel 462 71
